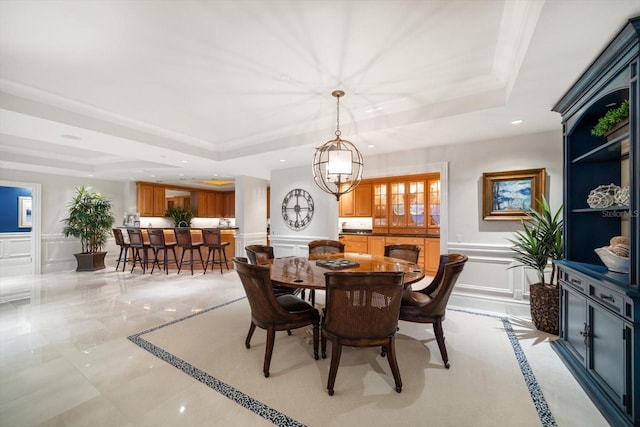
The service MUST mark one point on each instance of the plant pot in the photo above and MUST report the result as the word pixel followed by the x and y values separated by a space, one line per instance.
pixel 90 262
pixel 545 307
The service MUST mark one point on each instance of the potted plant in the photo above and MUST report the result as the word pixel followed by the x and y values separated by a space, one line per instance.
pixel 612 120
pixel 90 219
pixel 539 242
pixel 181 216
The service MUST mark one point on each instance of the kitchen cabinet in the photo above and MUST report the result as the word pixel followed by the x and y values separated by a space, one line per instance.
pixel 431 255
pixel 356 203
pixel 229 204
pixel 355 243
pixel 408 202
pixel 380 209
pixel 376 245
pixel 433 211
pixel 599 309
pixel 150 199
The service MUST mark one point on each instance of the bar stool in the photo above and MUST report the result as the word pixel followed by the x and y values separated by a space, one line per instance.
pixel 137 244
pixel 184 241
pixel 159 244
pixel 213 241
pixel 124 247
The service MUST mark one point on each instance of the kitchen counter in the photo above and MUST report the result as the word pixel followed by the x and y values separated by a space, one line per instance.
pixel 370 233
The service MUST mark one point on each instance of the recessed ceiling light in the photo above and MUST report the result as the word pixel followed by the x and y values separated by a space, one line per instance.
pixel 90 175
pixel 517 122
pixel 180 174
pixel 68 136
pixel 282 160
pixel 371 146
pixel 185 161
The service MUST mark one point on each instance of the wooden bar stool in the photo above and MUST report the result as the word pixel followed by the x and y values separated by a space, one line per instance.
pixel 137 244
pixel 184 241
pixel 124 248
pixel 213 241
pixel 159 244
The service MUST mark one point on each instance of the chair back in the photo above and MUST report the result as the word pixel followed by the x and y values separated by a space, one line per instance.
pixel 156 238
pixel 183 237
pixel 117 234
pixel 442 289
pixel 256 281
pixel 211 236
pixel 361 305
pixel 409 253
pixel 326 247
pixel 258 253
pixel 135 238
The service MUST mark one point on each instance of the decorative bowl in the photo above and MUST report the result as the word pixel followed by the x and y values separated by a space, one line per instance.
pixel 613 262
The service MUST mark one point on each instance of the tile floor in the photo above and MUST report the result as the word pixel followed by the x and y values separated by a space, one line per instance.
pixel 65 359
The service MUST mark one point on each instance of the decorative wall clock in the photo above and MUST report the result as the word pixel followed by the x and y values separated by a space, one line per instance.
pixel 297 209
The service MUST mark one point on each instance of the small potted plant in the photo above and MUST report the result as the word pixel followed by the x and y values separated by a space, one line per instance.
pixel 612 120
pixel 181 216
pixel 90 220
pixel 539 242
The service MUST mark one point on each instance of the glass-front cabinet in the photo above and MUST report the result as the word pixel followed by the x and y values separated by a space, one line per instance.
pixel 433 214
pixel 380 203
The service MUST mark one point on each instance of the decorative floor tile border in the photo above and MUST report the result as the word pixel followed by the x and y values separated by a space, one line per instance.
pixel 280 419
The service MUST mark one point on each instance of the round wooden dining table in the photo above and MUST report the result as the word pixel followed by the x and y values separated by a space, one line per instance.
pixel 308 273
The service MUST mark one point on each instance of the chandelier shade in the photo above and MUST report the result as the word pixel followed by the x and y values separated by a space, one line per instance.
pixel 337 164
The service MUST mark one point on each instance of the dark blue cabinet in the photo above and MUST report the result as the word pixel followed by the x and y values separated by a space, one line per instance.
pixel 600 309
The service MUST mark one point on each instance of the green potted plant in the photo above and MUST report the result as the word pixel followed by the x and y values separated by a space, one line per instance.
pixel 90 220
pixel 539 242
pixel 180 215
pixel 611 120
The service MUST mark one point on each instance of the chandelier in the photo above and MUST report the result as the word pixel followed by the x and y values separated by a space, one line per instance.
pixel 337 164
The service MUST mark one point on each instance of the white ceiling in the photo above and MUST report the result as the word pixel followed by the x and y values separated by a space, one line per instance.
pixel 182 91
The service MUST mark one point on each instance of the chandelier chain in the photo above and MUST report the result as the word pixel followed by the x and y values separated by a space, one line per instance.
pixel 338 133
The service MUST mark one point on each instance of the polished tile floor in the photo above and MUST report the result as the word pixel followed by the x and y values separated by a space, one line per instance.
pixel 65 359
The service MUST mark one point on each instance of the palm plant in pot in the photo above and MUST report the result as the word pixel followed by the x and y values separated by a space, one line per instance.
pixel 539 242
pixel 90 220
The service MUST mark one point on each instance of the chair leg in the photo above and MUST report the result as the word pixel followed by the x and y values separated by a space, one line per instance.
pixel 336 352
pixel 439 332
pixel 323 342
pixel 224 255
pixel 206 264
pixel 136 256
pixel 271 339
pixel 175 257
pixel 252 329
pixel 120 258
pixel 393 363
pixel 316 338
pixel 181 260
pixel 155 260
pixel 124 263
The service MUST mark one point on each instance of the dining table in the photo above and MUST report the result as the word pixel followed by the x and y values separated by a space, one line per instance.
pixel 308 272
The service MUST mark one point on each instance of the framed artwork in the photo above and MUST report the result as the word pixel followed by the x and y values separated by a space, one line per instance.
pixel 511 195
pixel 25 219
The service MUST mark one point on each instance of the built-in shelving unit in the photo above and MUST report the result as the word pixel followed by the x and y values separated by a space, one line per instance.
pixel 600 309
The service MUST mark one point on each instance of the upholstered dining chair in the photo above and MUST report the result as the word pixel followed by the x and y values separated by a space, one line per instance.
pixel 325 247
pixel 272 313
pixel 257 254
pixel 361 311
pixel 213 242
pixel 405 252
pixel 159 245
pixel 124 248
pixel 429 305
pixel 186 243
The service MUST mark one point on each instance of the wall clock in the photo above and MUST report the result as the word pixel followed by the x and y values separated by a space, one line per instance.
pixel 297 209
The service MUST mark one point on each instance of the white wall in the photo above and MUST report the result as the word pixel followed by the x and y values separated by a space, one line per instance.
pixel 56 192
pixel 324 225
pixel 251 213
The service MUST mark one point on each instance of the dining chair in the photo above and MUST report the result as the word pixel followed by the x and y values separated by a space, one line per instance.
pixel 362 310
pixel 257 254
pixel 272 313
pixel 186 243
pixel 213 242
pixel 429 305
pixel 405 252
pixel 159 244
pixel 139 248
pixel 325 247
pixel 124 248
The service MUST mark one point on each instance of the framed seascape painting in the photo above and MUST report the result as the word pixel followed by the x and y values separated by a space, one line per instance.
pixel 511 195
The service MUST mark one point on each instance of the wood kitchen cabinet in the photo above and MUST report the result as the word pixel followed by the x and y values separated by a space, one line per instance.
pixel 150 199
pixel 229 204
pixel 355 243
pixel 356 203
pixel 376 245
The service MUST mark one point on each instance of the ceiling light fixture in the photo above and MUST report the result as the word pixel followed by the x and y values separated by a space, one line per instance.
pixel 516 122
pixel 337 164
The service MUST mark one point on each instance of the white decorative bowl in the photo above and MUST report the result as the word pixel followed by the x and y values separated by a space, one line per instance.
pixel 613 262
